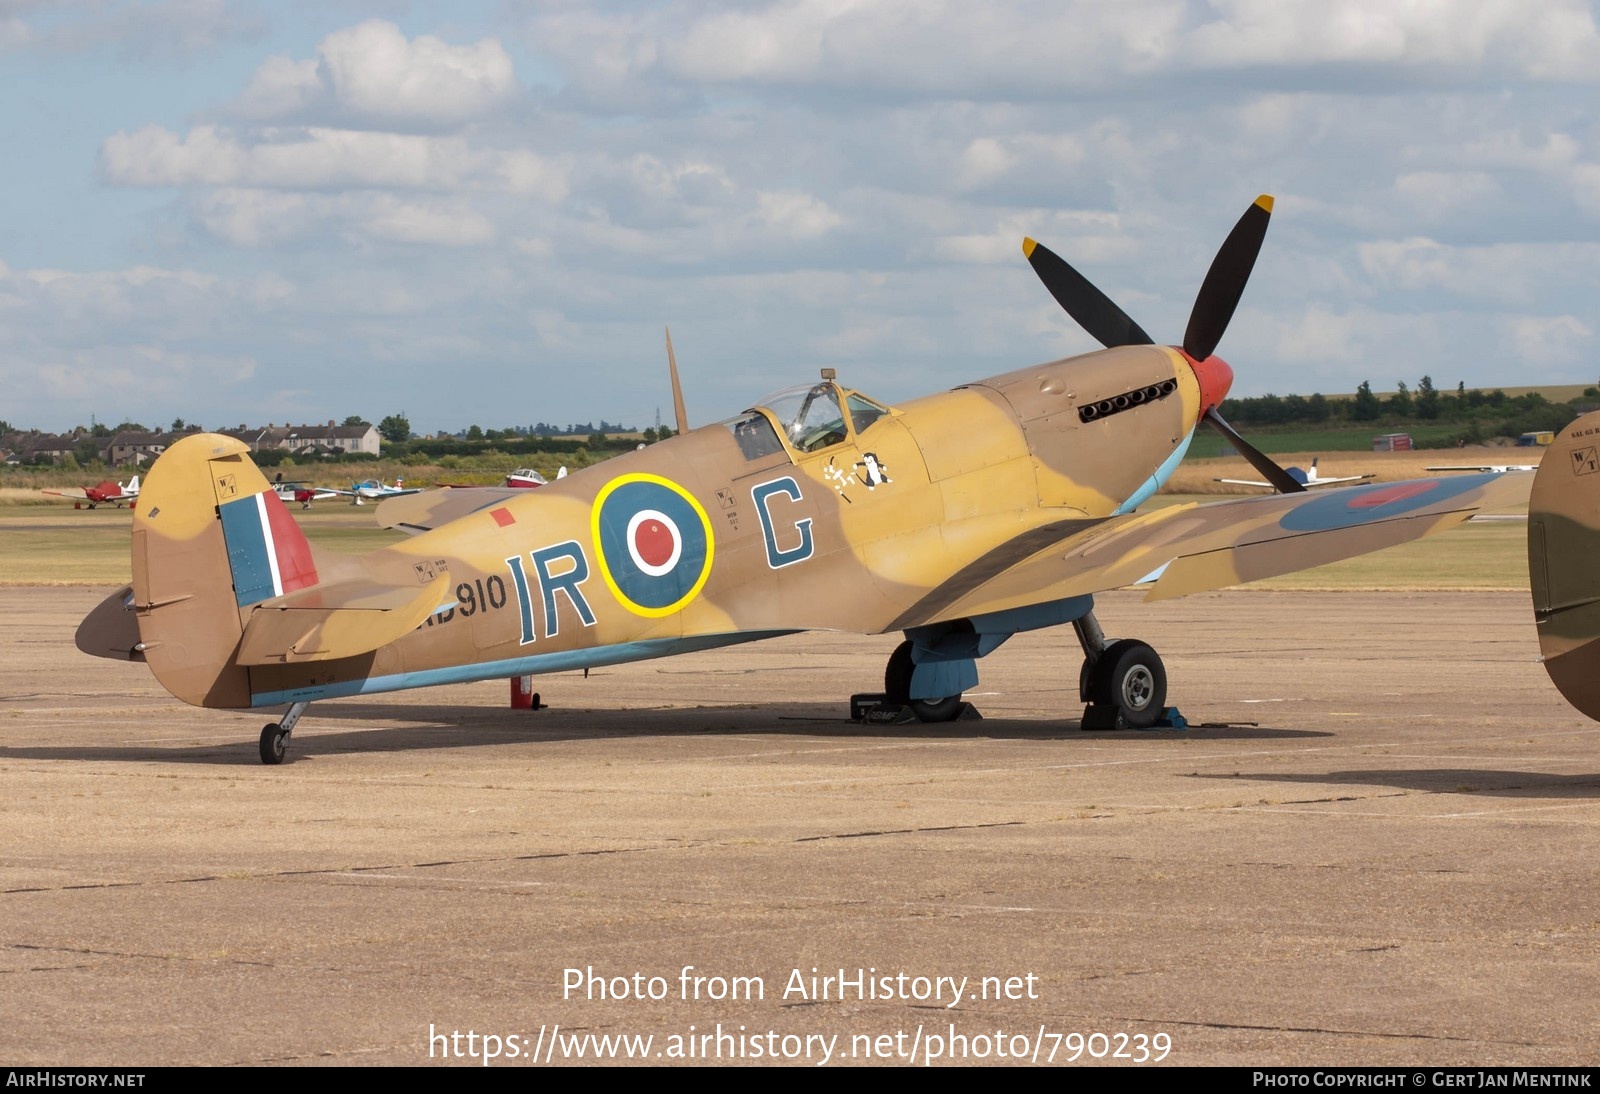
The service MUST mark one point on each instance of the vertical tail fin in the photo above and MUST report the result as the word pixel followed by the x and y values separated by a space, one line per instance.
pixel 210 539
pixel 1564 562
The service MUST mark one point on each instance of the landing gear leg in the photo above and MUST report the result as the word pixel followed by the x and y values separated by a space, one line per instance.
pixel 275 737
pixel 1124 683
pixel 1093 641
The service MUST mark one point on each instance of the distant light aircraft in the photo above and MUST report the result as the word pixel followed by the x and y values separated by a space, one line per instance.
pixel 958 519
pixel 1309 479
pixel 524 478
pixel 104 493
pixel 302 493
pixel 376 490
pixel 1496 468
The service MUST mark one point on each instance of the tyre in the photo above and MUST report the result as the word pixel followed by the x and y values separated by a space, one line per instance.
pixel 1131 677
pixel 274 743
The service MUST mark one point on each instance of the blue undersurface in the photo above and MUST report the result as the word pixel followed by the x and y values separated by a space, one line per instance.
pixel 534 665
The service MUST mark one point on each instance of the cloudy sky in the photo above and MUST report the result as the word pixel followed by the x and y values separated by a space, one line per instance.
pixel 487 212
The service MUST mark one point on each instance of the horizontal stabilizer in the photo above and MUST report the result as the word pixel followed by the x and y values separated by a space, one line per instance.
pixel 424 512
pixel 338 619
pixel 112 629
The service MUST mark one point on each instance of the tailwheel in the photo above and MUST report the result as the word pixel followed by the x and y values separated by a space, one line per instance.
pixel 1129 677
pixel 275 736
pixel 274 744
pixel 897 689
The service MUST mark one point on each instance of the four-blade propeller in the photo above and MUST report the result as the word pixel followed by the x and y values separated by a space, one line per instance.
pixel 1213 307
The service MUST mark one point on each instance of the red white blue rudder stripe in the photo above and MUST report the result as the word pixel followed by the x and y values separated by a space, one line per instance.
pixel 267 553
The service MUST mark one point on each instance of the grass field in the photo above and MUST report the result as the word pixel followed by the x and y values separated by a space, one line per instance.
pixel 60 545
pixel 1207 443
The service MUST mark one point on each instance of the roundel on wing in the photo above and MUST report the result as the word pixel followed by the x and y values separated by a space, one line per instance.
pixel 1348 506
pixel 654 543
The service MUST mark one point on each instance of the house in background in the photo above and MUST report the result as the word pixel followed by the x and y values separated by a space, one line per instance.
pixel 131 448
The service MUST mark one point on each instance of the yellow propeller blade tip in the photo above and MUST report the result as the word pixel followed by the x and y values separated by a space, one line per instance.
pixel 1027 247
pixel 1265 201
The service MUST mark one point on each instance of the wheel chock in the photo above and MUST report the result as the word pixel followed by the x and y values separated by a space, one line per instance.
pixel 874 708
pixel 861 704
pixel 1171 719
pixel 888 714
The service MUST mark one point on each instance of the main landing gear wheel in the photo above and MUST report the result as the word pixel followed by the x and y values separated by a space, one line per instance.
pixel 1129 675
pixel 897 689
pixel 274 743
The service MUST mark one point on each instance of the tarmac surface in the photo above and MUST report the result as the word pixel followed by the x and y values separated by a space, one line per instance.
pixel 1385 855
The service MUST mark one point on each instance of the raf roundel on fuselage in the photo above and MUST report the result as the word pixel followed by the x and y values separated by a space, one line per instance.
pixel 654 543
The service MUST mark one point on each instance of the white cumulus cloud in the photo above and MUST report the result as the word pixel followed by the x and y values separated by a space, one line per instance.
pixel 373 72
pixel 319 158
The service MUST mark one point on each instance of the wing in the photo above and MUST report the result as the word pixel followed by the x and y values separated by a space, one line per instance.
pixel 429 509
pixel 74 493
pixel 1192 548
pixel 1244 482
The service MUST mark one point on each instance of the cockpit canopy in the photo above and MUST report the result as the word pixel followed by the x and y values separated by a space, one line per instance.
pixel 810 416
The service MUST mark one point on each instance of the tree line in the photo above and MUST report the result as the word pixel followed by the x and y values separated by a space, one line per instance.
pixel 1481 414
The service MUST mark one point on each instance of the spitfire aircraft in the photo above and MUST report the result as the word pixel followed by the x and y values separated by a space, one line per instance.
pixel 957 519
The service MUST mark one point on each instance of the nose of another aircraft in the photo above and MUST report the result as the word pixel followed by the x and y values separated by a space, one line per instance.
pixel 1215 377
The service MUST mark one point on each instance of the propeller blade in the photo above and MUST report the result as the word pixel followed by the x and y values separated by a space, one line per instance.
pixel 1280 479
pixel 678 410
pixel 1106 323
pixel 1225 281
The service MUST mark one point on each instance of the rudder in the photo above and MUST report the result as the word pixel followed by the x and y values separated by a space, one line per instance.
pixel 210 540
